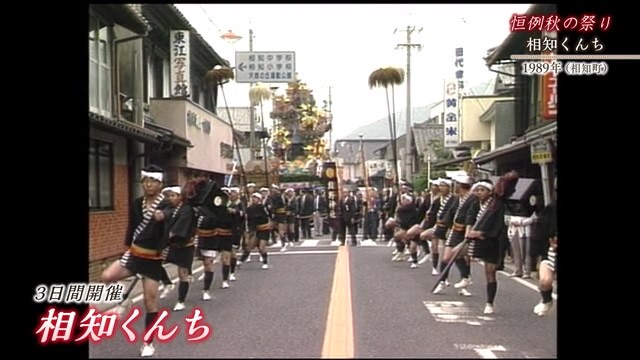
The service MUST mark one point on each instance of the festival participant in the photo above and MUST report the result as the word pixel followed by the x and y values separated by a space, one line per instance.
pixel 146 242
pixel 181 224
pixel 489 224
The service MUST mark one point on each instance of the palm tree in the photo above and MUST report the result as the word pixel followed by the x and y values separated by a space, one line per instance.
pixel 257 94
pixel 389 77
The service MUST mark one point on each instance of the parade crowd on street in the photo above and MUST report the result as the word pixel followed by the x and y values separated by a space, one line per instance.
pixel 454 222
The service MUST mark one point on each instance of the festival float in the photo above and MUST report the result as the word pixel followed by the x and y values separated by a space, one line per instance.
pixel 297 137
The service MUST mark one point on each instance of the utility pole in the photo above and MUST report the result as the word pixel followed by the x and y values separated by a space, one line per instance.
pixel 408 159
pixel 252 113
pixel 330 119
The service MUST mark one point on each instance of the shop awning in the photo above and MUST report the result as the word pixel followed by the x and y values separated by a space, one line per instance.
pixel 451 162
pixel 545 131
pixel 501 151
pixel 525 187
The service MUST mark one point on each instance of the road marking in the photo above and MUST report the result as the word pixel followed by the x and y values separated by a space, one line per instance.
pixel 455 312
pixel 368 243
pixel 484 351
pixel 305 252
pixel 522 282
pixel 528 284
pixel 338 336
pixel 309 243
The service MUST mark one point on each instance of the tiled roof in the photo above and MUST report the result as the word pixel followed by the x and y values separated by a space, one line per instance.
pixel 133 9
pixel 204 43
pixel 124 127
pixel 424 134
pixel 168 133
pixel 126 15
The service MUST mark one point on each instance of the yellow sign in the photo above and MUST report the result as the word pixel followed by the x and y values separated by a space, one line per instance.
pixel 541 152
pixel 330 173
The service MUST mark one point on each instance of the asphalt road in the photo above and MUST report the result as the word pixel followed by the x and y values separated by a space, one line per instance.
pixel 283 312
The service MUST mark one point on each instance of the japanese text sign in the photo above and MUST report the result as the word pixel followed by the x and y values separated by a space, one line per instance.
pixel 265 66
pixel 549 88
pixel 330 175
pixel 460 67
pixel 451 123
pixel 180 65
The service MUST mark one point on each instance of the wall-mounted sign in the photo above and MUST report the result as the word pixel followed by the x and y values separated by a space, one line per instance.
pixel 226 151
pixel 460 68
pixel 541 152
pixel 180 65
pixel 197 122
pixel 451 112
pixel 549 86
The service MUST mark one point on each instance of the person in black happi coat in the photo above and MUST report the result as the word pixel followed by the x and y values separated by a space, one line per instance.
pixel 487 217
pixel 146 242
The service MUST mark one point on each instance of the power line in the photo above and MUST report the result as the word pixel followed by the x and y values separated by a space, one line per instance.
pixel 208 17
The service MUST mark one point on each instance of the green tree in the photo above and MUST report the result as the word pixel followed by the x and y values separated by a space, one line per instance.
pixel 440 151
pixel 420 182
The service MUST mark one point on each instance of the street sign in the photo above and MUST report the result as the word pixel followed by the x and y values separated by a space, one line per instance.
pixel 265 66
pixel 541 152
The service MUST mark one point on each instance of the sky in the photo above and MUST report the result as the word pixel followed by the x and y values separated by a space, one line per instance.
pixel 338 45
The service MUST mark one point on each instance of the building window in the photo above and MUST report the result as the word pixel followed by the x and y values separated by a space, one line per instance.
pixel 99 67
pixel 100 175
pixel 157 80
pixel 195 93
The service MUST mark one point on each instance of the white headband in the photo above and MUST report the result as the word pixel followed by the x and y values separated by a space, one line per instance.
pixel 234 189
pixel 175 189
pixel 251 185
pixel 257 195
pixel 484 184
pixel 264 189
pixel 445 182
pixel 225 189
pixel 153 175
pixel 463 179
pixel 406 196
pixel 275 187
pixel 289 190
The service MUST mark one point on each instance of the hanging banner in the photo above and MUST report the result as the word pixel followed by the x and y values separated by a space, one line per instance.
pixel 460 69
pixel 451 123
pixel 549 86
pixel 330 178
pixel 180 64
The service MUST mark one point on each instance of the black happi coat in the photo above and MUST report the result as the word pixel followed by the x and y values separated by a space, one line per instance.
pixel 153 236
pixel 180 225
pixel 257 215
pixel 461 211
pixel 492 221
pixel 406 215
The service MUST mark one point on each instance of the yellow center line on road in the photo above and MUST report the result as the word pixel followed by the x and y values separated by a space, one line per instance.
pixel 338 336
